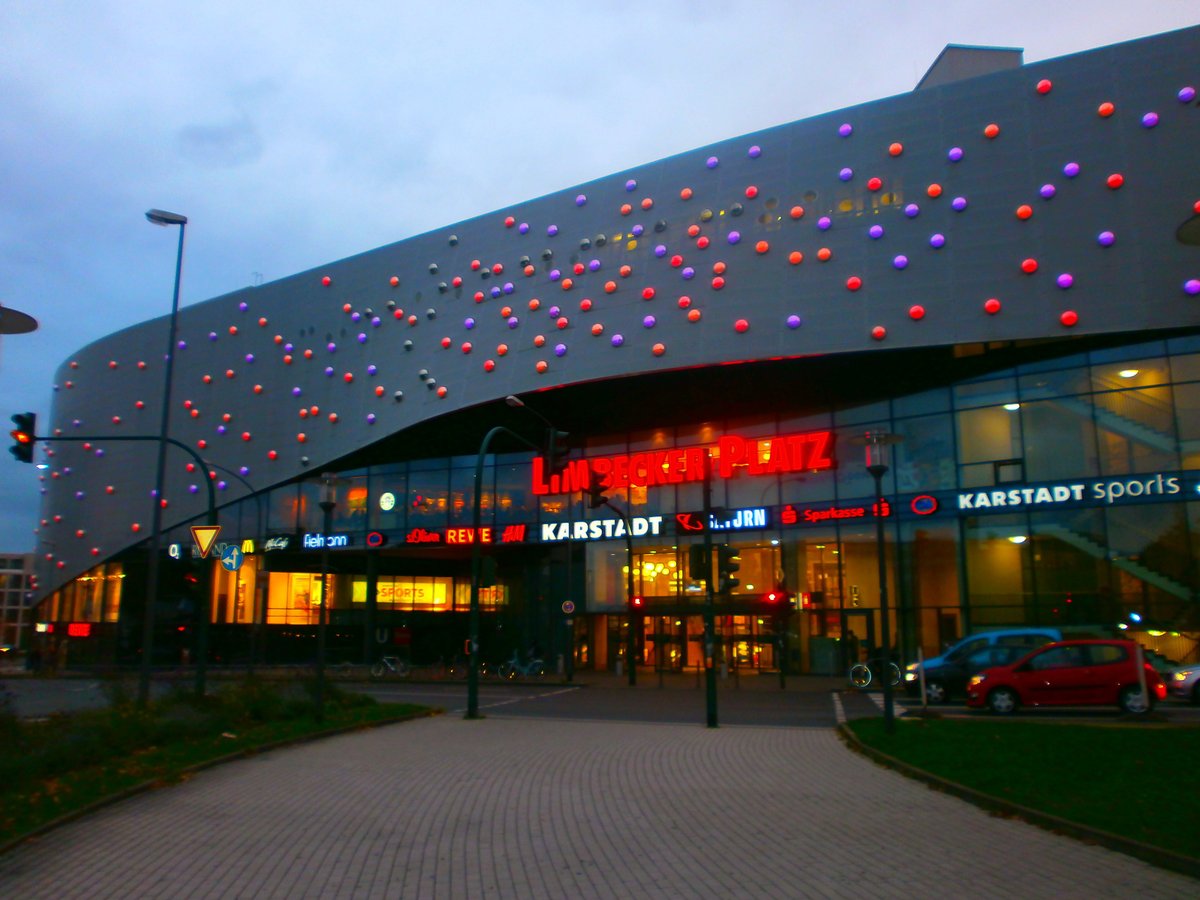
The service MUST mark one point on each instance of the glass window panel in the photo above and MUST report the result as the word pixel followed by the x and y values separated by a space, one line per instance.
pixel 1186 368
pixel 999 582
pixel 993 392
pixel 1072 573
pixel 387 507
pixel 1057 383
pixel 987 434
pixel 1125 352
pixel 1133 373
pixel 1060 439
pixel 925 456
pixel 428 498
pixel 1136 431
pixel 866 414
pixel 515 500
pixel 935 401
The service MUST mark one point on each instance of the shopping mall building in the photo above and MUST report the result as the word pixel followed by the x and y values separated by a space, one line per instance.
pixel 1000 268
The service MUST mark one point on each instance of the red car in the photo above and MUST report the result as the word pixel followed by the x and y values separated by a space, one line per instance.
pixel 1069 673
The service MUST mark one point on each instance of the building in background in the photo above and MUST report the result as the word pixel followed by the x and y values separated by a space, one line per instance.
pixel 995 268
pixel 16 600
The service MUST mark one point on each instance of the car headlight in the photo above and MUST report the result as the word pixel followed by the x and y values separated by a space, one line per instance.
pixel 911 667
pixel 976 680
pixel 1181 675
pixel 910 676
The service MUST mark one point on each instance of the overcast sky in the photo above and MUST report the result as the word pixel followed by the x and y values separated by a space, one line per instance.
pixel 292 134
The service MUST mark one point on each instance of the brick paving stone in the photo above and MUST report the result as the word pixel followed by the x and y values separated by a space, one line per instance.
pixel 532 808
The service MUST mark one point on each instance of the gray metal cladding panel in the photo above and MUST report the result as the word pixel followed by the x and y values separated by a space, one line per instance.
pixel 427 316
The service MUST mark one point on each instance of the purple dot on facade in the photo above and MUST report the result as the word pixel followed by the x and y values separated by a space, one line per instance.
pixel 875 232
pixel 551 230
pixel 362 338
pixel 370 418
pixel 793 321
pixel 509 287
pixel 954 154
pixel 328 371
pixel 296 392
pixel 824 223
pixel 959 204
pixel 631 185
pixel 331 347
pixel 99 451
pixel 182 345
pixel 192 489
pixel 1071 169
pixel 660 251
pixel 734 237
pixel 355 317
pixel 687 273
pixel 1186 94
pixel 754 152
pixel 222 485
pixel 580 200
pixel 1192 286
pixel 845 129
pixel 1065 280
pixel 523 228
pixel 1149 120
pixel 212 335
pixel 912 210
pixel 594 265
pixel 249 357
pixel 495 292
pixel 468 323
pixel 846 174
pixel 555 274
pixel 937 241
pixel 617 340
pixel 560 349
pixel 649 322
pixel 1106 238
pixel 1047 191
pixel 376 321
pixel 288 348
pixel 372 369
pixel 900 262
pixel 244 470
pixel 553 312
pixel 712 162
pixel 79 495
pixel 637 230
pixel 513 321
pixel 243 306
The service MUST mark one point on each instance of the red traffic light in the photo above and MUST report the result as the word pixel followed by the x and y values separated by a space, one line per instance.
pixel 638 602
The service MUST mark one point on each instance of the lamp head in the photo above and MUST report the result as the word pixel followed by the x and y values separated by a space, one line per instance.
pixel 164 218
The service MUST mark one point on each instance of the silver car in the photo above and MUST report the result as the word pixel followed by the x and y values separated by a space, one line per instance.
pixel 1184 683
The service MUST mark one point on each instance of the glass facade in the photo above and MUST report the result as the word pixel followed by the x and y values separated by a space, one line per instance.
pixel 1054 493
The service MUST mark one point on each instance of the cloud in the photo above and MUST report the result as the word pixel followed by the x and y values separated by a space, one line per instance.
pixel 236 143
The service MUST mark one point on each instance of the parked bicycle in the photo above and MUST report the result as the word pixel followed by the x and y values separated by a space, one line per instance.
pixel 390 666
pixel 862 674
pixel 514 668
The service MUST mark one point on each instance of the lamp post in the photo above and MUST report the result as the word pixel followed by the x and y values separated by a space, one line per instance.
pixel 160 217
pixel 328 502
pixel 878 450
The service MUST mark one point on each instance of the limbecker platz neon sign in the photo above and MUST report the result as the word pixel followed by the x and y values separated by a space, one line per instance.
pixel 733 456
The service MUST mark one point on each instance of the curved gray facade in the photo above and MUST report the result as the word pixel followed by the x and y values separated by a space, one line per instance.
pixel 1038 202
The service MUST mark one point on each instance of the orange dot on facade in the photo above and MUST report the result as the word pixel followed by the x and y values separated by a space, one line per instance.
pixel 991 130
pixel 934 190
pixel 1024 211
pixel 795 257
pixel 824 254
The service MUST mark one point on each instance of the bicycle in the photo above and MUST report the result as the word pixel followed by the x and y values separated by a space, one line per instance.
pixel 390 665
pixel 861 674
pixel 514 668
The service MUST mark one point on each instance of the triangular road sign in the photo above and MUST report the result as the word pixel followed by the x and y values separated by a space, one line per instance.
pixel 205 536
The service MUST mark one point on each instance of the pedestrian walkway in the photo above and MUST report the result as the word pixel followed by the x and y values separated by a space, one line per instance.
pixel 530 808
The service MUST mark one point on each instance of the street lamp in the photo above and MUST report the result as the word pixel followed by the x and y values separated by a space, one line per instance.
pixel 878 458
pixel 327 504
pixel 160 217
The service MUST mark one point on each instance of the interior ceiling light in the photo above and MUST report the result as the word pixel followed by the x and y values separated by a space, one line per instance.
pixel 1128 373
pixel 1012 407
pixel 1018 539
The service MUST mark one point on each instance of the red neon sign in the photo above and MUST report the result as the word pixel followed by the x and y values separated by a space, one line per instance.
pixel 79 629
pixel 733 456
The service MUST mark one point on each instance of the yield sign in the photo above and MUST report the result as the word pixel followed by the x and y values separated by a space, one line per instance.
pixel 205 536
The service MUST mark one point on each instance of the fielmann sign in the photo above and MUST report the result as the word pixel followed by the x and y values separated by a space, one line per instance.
pixel 733 456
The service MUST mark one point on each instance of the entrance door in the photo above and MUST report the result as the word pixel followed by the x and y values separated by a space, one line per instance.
pixel 860 635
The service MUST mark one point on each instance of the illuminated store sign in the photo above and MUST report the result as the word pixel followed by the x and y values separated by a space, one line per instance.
pixel 279 542
pixel 809 515
pixel 736 520
pixel 1110 491
pixel 732 456
pixel 508 534
pixel 323 541
pixel 600 529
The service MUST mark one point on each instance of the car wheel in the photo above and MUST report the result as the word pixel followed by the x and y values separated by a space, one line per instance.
pixel 1003 701
pixel 935 692
pixel 1131 700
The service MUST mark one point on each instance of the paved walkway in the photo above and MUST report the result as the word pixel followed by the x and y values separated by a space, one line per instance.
pixel 528 808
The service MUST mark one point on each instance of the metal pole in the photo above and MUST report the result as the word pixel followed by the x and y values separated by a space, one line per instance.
pixel 889 713
pixel 631 638
pixel 327 504
pixel 143 697
pixel 710 673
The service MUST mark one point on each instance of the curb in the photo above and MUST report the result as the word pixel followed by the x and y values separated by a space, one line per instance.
pixel 1156 856
pixel 146 786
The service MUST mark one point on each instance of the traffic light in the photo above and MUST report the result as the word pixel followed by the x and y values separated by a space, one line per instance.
pixel 728 562
pixel 638 602
pixel 557 450
pixel 597 485
pixel 24 437
pixel 777 598
pixel 699 568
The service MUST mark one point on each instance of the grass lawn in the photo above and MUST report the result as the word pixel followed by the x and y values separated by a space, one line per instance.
pixel 63 764
pixel 1137 780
